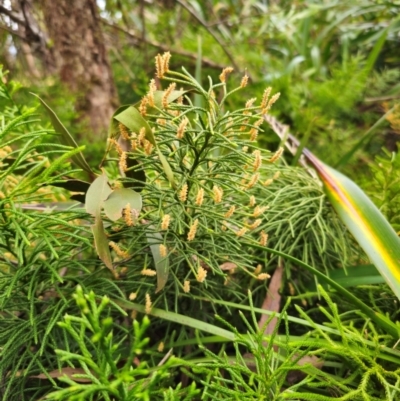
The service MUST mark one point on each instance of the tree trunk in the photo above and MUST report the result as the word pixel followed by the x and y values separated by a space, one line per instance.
pixel 81 56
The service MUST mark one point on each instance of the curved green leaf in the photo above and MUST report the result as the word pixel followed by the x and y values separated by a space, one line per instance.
pixel 66 138
pixel 132 119
pixel 167 169
pixel 117 201
pixel 162 263
pixel 97 193
pixel 178 318
pixel 381 320
pixel 101 242
pixel 357 275
pixel 113 129
pixel 158 95
pixel 353 276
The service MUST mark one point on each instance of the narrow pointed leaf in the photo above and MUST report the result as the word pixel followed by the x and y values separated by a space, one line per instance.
pixel 353 276
pixel 364 220
pixel 66 138
pixel 101 242
pixel 113 129
pixel 180 319
pixel 72 184
pixel 97 193
pixel 132 119
pixel 117 201
pixel 357 275
pixel 381 320
pixel 167 169
pixel 158 96
pixel 161 263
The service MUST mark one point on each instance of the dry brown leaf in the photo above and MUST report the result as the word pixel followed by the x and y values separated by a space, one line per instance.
pixel 272 301
pixel 68 371
pixel 228 266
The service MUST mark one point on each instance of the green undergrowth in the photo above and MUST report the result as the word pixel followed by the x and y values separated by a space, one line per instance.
pixel 86 318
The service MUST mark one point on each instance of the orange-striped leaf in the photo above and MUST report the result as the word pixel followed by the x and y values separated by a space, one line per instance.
pixel 364 220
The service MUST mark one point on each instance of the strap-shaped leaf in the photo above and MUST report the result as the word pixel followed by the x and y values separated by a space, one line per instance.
pixel 167 169
pixel 132 119
pixel 101 242
pixel 364 220
pixel 158 96
pixel 66 138
pixel 97 193
pixel 162 263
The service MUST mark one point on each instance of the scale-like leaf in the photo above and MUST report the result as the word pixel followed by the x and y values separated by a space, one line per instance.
pixel 162 264
pixel 97 193
pixel 364 220
pixel 66 138
pixel 117 201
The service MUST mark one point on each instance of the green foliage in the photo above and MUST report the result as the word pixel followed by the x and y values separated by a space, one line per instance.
pixel 110 370
pixel 326 59
pixel 65 329
pixel 208 189
pixel 383 186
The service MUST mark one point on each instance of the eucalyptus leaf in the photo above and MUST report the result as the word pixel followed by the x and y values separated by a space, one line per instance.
pixel 161 263
pixel 167 169
pixel 97 193
pixel 113 129
pixel 101 242
pixel 134 121
pixel 158 96
pixel 117 201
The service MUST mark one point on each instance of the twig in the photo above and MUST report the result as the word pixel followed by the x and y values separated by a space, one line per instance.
pixel 205 61
pixel 13 33
pixel 210 31
pixel 12 16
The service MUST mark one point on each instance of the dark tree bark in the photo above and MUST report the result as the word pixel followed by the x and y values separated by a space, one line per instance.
pixel 30 39
pixel 81 56
pixel 66 36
